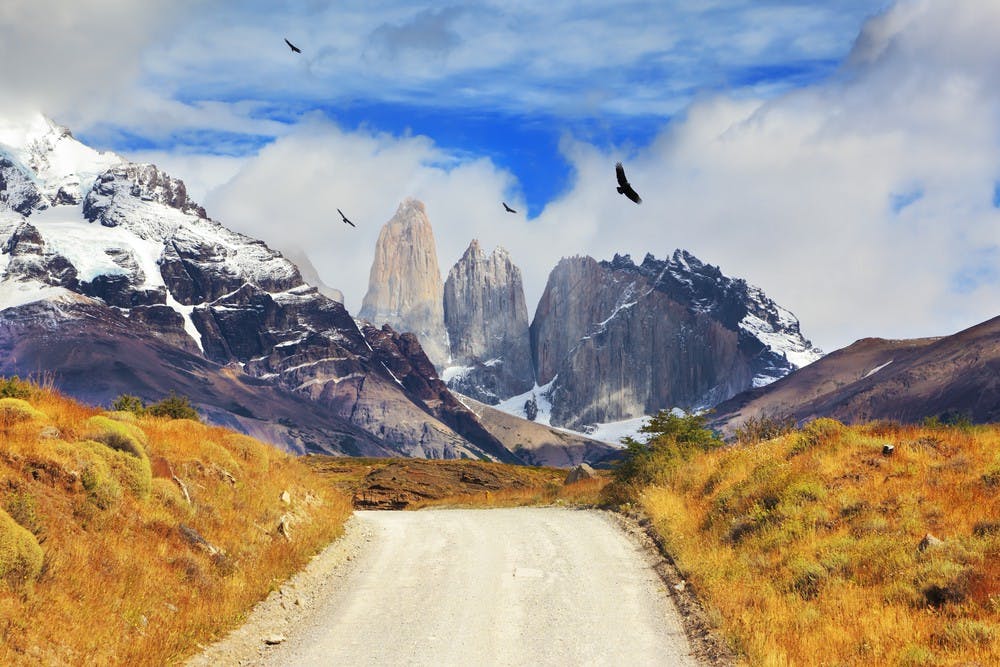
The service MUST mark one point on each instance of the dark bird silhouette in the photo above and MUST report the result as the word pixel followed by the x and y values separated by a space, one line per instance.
pixel 508 208
pixel 623 185
pixel 292 46
pixel 345 218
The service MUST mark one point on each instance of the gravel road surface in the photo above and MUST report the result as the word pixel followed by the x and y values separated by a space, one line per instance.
pixel 524 586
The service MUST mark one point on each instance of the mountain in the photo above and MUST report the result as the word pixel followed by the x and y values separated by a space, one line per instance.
pixel 902 380
pixel 539 444
pixel 112 281
pixel 487 321
pixel 310 275
pixel 616 340
pixel 404 287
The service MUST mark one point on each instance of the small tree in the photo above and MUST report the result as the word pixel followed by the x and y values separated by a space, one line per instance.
pixel 174 407
pixel 672 438
pixel 128 403
pixel 14 387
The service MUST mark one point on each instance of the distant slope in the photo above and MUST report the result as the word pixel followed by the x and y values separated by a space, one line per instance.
pixel 874 378
pixel 94 356
pixel 538 444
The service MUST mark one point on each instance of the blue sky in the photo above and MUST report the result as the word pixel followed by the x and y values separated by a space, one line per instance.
pixel 483 79
pixel 842 155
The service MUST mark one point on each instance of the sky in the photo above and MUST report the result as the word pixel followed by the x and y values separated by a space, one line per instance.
pixel 842 155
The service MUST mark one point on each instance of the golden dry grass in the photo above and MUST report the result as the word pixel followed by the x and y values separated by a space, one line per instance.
pixel 417 483
pixel 584 493
pixel 805 550
pixel 141 575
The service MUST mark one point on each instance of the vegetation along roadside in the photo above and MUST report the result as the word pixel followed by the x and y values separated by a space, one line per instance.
pixel 829 544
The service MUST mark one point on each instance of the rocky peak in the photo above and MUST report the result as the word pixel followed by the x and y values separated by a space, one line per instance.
pixel 17 189
pixel 119 191
pixel 621 340
pixel 404 286
pixel 63 169
pixel 487 322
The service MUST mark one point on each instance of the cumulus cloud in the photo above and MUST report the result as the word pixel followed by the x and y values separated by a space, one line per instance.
pixel 799 194
pixel 288 196
pixel 68 58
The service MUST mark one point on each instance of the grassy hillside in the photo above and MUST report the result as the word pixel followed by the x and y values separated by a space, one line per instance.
pixel 129 540
pixel 809 548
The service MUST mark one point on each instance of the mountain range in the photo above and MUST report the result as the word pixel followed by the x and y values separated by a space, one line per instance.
pixel 113 281
pixel 609 340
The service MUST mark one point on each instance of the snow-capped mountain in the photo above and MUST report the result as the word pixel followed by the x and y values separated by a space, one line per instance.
pixel 618 340
pixel 114 281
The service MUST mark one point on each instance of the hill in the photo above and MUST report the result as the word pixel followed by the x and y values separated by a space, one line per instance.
pixel 820 547
pixel 130 539
pixel 951 377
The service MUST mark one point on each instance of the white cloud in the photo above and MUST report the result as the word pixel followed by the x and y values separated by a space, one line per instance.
pixel 288 195
pixel 795 193
pixel 65 57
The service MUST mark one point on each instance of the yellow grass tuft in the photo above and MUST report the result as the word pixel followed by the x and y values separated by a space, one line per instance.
pixel 132 570
pixel 806 546
pixel 20 555
pixel 13 410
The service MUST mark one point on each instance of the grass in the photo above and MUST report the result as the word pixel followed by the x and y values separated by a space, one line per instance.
pixel 584 493
pixel 805 547
pixel 418 483
pixel 155 534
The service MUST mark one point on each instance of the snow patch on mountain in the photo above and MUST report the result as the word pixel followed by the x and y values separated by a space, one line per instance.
pixel 876 369
pixel 613 432
pixel 57 160
pixel 14 293
pixel 455 373
pixel 515 404
pixel 780 332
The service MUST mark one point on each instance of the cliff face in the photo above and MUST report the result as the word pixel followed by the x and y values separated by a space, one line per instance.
pixel 404 287
pixel 487 322
pixel 618 340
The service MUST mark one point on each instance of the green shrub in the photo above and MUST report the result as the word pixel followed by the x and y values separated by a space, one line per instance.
pixel 116 435
pixel 167 493
pixel 814 433
pixel 807 577
pixel 131 472
pixel 991 477
pixel 915 655
pixel 14 387
pixel 122 416
pixel 759 429
pixel 174 407
pixel 103 490
pixel 20 553
pixel 248 451
pixel 23 509
pixel 672 439
pixel 14 410
pixel 966 633
pixel 128 403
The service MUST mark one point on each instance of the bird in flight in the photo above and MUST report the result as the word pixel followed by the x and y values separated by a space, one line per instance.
pixel 345 218
pixel 623 185
pixel 292 46
pixel 508 208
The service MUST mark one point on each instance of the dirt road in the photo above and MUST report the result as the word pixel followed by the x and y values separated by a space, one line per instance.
pixel 527 586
